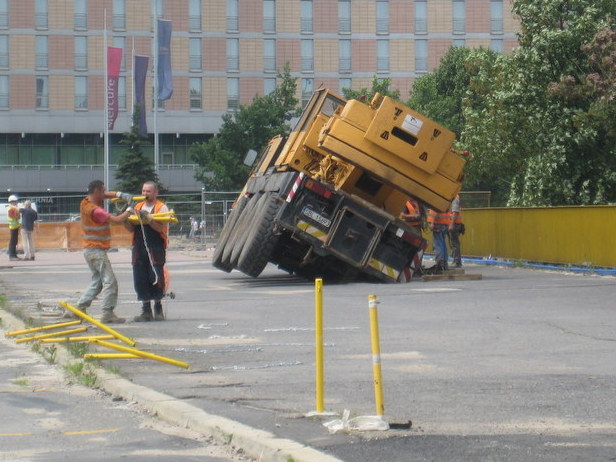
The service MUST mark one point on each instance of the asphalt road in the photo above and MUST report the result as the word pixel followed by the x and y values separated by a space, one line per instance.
pixel 517 366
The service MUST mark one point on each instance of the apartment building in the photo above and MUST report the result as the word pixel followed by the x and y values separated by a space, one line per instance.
pixel 223 53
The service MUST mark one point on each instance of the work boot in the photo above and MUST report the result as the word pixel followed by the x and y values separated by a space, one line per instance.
pixel 158 311
pixel 109 317
pixel 146 313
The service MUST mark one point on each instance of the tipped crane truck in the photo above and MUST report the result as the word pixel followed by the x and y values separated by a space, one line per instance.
pixel 325 201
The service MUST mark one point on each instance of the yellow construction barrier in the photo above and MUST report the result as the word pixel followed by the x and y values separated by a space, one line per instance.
pixel 53 334
pixel 110 356
pixel 38 329
pixel 76 339
pixel 376 355
pixel 143 354
pixel 98 324
pixel 318 304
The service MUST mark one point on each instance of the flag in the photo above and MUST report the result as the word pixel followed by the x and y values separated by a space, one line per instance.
pixel 139 73
pixel 114 59
pixel 165 79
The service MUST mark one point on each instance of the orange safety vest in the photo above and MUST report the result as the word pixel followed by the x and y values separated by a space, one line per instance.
pixel 157 206
pixel 13 216
pixel 94 235
pixel 412 208
pixel 439 218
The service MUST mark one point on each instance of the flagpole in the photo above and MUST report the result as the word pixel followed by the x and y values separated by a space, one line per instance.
pixel 106 99
pixel 155 47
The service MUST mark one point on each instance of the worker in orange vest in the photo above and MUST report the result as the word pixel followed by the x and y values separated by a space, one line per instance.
pixel 412 215
pixel 456 227
pixel 438 222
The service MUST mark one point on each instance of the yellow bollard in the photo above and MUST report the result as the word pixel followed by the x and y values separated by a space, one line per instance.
pixel 98 324
pixel 143 354
pixel 109 355
pixel 38 329
pixel 318 304
pixel 76 339
pixel 376 355
pixel 53 334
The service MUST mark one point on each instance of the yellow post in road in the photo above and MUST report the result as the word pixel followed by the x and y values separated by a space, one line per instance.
pixel 376 355
pixel 318 329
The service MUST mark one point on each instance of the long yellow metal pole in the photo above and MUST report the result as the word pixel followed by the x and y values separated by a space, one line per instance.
pixel 98 324
pixel 109 356
pixel 38 329
pixel 76 339
pixel 318 304
pixel 52 334
pixel 143 354
pixel 376 355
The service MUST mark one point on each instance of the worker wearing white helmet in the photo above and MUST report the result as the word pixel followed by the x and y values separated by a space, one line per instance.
pixel 14 225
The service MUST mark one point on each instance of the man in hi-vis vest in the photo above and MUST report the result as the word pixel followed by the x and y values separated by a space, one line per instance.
pixel 14 225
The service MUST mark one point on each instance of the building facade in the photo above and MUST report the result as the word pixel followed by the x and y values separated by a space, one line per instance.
pixel 223 53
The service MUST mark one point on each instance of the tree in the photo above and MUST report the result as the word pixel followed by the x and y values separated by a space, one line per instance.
pixel 220 159
pixel 134 168
pixel 520 129
pixel 366 94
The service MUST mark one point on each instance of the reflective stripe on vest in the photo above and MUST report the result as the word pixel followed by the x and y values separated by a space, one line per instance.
pixel 93 234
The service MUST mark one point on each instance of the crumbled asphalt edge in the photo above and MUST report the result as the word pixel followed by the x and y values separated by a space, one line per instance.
pixel 258 444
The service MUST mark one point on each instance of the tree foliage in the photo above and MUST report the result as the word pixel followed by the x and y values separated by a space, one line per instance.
pixel 134 167
pixel 366 94
pixel 220 159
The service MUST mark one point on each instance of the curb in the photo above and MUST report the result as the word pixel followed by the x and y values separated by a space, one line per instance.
pixel 258 444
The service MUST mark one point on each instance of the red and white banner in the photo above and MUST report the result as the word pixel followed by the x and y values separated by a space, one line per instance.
pixel 114 60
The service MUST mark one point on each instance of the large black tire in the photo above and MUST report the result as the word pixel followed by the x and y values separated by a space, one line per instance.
pixel 247 228
pixel 262 238
pixel 240 229
pixel 217 258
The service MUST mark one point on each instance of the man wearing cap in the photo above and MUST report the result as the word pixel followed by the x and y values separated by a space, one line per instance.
pixel 14 225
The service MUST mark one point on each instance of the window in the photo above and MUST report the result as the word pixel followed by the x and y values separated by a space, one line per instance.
pixel 382 55
pixel 81 53
pixel 81 92
pixel 42 50
pixel 4 14
pixel 306 16
pixel 269 16
pixel 4 51
pixel 459 43
pixel 194 54
pixel 119 15
pixel 233 55
pixel 307 56
pixel 382 17
pixel 122 92
pixel 344 56
pixel 40 14
pixel 496 45
pixel 421 16
pixel 232 16
pixel 269 85
pixel 4 91
pixel 42 92
pixel 344 16
pixel 496 16
pixel 307 90
pixel 421 55
pixel 81 14
pixel 195 92
pixel 459 17
pixel 269 55
pixel 120 42
pixel 345 84
pixel 194 15
pixel 233 93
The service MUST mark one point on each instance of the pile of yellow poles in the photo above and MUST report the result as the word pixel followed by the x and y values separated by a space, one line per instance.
pixel 162 217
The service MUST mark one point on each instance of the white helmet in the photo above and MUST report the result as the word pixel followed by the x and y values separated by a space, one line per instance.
pixel 12 198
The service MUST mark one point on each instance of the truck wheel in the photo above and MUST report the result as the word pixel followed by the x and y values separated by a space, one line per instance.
pixel 217 258
pixel 247 229
pixel 240 229
pixel 262 238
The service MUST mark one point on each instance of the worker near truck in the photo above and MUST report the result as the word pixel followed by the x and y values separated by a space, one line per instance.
pixel 149 254
pixel 412 215
pixel 455 229
pixel 14 225
pixel 438 222
pixel 28 217
pixel 96 235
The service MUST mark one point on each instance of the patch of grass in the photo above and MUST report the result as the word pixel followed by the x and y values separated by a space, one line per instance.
pixel 49 353
pixel 77 349
pixel 21 382
pixel 84 373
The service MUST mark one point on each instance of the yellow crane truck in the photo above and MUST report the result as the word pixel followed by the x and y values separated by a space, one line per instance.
pixel 325 201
